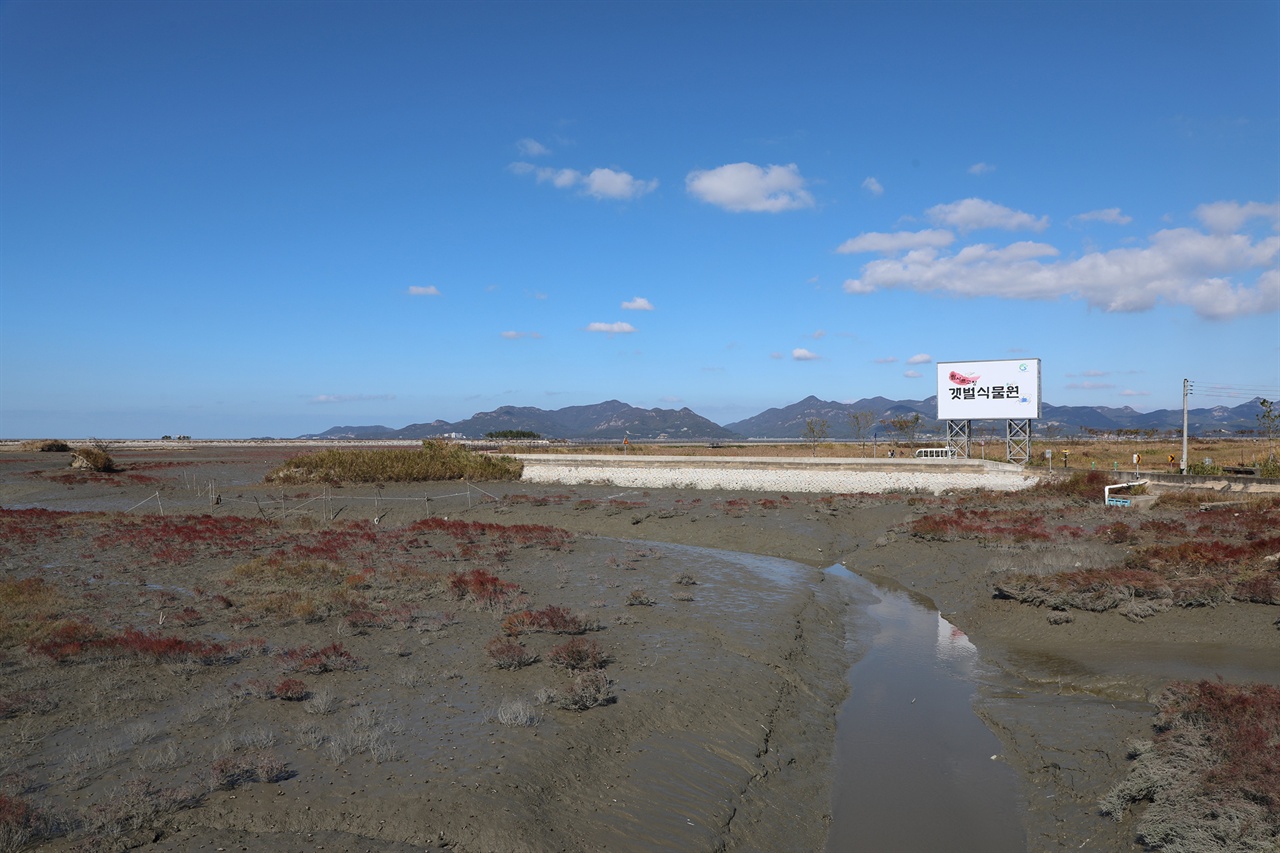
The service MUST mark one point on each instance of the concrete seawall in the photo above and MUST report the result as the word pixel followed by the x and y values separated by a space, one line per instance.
pixel 776 474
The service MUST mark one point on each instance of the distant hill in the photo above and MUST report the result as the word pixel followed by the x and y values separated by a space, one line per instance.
pixel 613 420
pixel 789 422
pixel 610 420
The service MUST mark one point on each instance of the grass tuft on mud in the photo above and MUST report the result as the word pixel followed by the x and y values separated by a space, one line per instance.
pixel 1211 774
pixel 437 460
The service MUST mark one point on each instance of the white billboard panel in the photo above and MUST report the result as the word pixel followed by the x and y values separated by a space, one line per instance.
pixel 994 390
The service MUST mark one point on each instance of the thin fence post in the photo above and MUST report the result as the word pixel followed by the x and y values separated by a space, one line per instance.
pixel 158 502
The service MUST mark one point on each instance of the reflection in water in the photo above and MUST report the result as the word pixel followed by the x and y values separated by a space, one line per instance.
pixel 914 768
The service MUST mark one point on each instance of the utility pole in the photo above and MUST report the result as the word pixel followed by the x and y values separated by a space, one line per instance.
pixel 1186 392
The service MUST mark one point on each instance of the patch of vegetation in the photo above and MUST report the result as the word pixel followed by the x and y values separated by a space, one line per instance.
pixel 437 460
pixel 1211 774
pixel 550 619
pixel 93 458
pixel 31 610
pixel 577 654
pixel 513 434
pixel 1158 577
pixel 45 445
pixel 75 640
pixel 509 654
pixel 587 690
pixel 1081 485
pixel 1012 525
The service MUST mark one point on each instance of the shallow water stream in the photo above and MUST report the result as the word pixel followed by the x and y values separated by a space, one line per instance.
pixel 916 769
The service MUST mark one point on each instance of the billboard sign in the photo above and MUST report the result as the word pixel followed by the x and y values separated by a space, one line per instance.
pixel 994 390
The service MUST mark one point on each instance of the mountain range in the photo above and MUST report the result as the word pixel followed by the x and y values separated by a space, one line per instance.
pixel 614 420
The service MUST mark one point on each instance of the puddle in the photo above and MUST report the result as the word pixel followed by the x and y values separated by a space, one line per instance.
pixel 914 766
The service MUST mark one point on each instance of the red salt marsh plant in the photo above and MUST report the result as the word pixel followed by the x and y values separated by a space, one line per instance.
pixel 313 661
pixel 23 528
pixel 1211 774
pixel 508 654
pixel 75 640
pixel 1007 525
pixel 1157 577
pixel 577 653
pixel 22 823
pixel 550 619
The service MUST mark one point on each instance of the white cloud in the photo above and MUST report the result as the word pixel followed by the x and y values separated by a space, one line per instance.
pixel 981 168
pixel 745 187
pixel 775 355
pixel 899 241
pixel 801 354
pixel 1205 272
pixel 971 214
pixel 598 183
pixel 429 290
pixel 819 334
pixel 1111 216
pixel 532 148
pixel 921 358
pixel 350 398
pixel 1089 386
pixel 559 178
pixel 1094 373
pixel 888 359
pixel 873 186
pixel 1222 217
pixel 611 328
pixel 638 304
pixel 606 183
pixel 912 374
pixel 1129 393
pixel 515 336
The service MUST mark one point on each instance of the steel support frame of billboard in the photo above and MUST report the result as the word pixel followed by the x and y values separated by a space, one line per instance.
pixel 1018 441
pixel 958 433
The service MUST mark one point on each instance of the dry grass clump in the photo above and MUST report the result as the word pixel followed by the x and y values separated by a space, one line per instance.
pixel 21 823
pixel 1189 498
pixel 93 458
pixel 31 609
pixel 302 590
pixel 587 690
pixel 437 460
pixel 1081 485
pixel 45 445
pixel 518 712
pixel 1211 774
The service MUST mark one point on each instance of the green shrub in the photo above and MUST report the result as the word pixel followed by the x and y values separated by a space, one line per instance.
pixel 437 460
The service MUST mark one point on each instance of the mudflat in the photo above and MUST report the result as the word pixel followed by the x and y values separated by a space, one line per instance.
pixel 514 667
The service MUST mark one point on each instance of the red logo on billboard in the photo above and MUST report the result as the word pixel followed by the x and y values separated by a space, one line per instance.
pixel 958 378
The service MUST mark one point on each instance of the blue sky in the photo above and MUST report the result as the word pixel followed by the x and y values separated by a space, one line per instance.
pixel 245 219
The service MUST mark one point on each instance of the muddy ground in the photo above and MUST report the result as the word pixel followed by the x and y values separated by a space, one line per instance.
pixel 719 730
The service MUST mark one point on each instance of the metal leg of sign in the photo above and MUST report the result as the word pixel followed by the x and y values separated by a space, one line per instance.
pixel 958 438
pixel 1018 442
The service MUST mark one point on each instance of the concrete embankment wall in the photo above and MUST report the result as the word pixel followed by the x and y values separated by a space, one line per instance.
pixel 776 474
